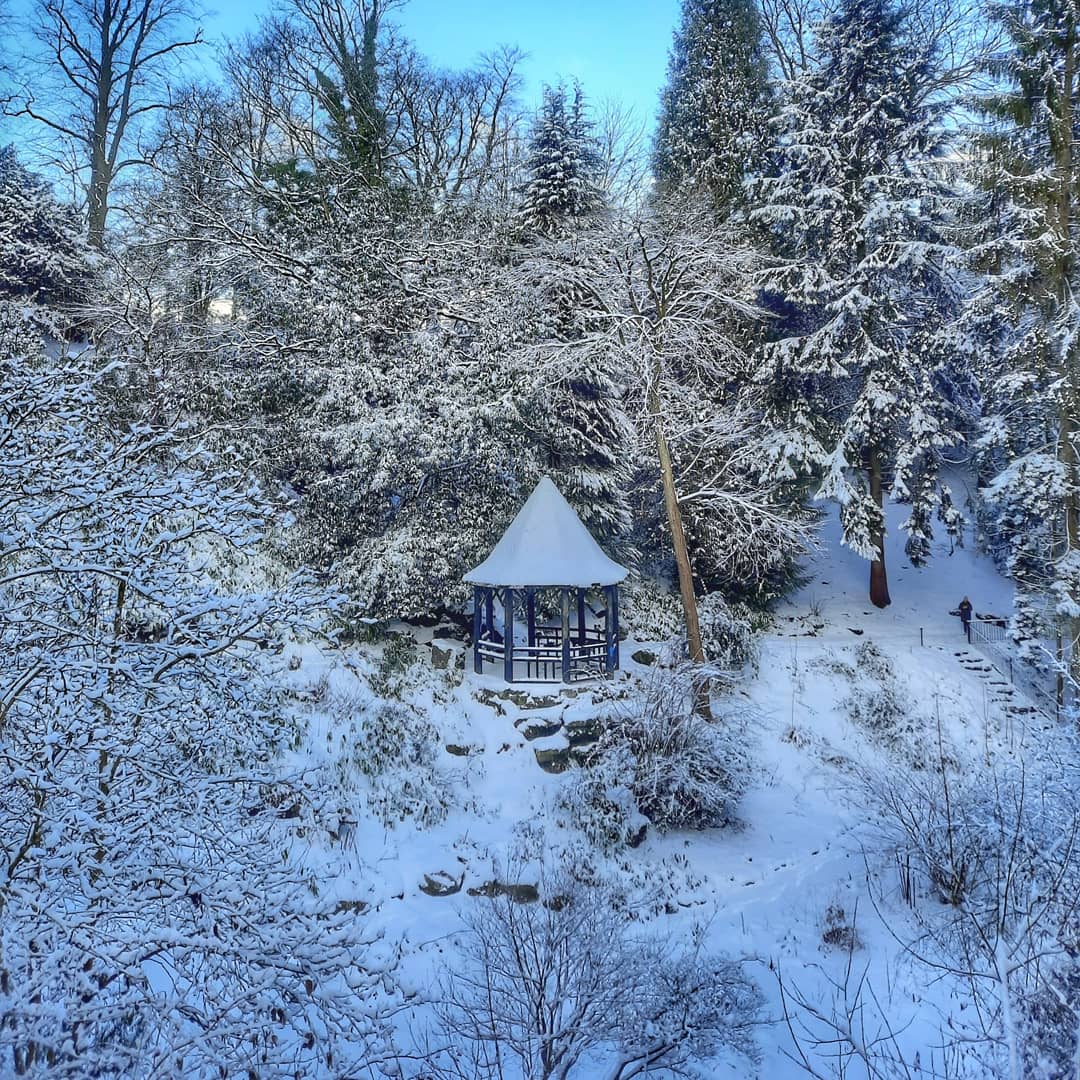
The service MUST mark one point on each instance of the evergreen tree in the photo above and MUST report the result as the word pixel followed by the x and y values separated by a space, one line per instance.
pixel 857 209
pixel 1029 443
pixel 581 427
pixel 715 109
pixel 583 431
pixel 563 167
pixel 42 255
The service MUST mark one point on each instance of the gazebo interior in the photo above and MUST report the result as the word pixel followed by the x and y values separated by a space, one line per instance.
pixel 581 643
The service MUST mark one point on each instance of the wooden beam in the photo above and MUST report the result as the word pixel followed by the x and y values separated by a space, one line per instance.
pixel 581 616
pixel 508 635
pixel 615 622
pixel 477 629
pixel 564 596
pixel 610 635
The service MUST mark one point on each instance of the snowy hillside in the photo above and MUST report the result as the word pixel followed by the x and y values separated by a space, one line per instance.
pixel 800 886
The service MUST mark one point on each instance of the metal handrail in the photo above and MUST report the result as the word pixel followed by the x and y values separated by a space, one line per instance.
pixel 1045 702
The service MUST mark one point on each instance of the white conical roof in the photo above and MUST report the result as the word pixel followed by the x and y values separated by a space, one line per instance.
pixel 547 544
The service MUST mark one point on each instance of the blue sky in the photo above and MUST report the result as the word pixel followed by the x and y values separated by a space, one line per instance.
pixel 617 48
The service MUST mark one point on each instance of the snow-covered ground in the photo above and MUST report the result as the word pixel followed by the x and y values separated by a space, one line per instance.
pixel 782 889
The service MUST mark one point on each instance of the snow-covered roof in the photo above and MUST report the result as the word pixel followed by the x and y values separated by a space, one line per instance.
pixel 547 544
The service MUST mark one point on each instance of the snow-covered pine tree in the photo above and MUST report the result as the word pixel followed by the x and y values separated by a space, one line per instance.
pixel 563 170
pixel 42 254
pixel 1030 441
pixel 585 438
pixel 855 208
pixel 582 429
pixel 715 109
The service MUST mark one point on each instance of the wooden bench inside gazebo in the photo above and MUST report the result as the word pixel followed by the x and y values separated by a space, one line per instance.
pixel 547 561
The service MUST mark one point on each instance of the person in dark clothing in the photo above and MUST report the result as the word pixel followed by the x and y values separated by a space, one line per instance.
pixel 965 616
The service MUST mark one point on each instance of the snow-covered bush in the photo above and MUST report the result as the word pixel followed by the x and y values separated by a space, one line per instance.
pixel 875 701
pixel 597 801
pixel 996 850
pixel 649 610
pixel 399 654
pixel 682 770
pixel 559 987
pixel 727 633
pixel 392 758
pixel 156 913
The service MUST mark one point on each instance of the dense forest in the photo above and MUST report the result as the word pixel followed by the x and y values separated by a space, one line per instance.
pixel 291 326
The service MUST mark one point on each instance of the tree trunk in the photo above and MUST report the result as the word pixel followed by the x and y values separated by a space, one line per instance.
pixel 682 552
pixel 879 582
pixel 100 167
pixel 1070 391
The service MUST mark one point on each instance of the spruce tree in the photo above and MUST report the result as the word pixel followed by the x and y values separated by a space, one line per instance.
pixel 42 255
pixel 856 209
pixel 1028 448
pixel 715 109
pixel 583 432
pixel 562 188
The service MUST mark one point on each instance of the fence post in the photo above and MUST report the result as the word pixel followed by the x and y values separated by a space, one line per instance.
pixel 1011 679
pixel 921 642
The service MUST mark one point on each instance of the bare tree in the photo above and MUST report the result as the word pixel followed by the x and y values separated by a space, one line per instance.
pixel 547 988
pixel 104 65
pixel 453 134
pixel 675 290
pixel 623 139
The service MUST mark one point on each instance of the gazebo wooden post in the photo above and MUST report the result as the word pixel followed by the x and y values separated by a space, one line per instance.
pixel 611 630
pixel 530 624
pixel 489 605
pixel 564 596
pixel 581 616
pixel 615 620
pixel 508 635
pixel 477 630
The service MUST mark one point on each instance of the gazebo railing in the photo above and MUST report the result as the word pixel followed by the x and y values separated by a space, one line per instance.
pixel 543 662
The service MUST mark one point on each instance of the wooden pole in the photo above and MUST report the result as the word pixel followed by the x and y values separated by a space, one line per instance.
pixel 564 596
pixel 609 636
pixel 477 629
pixel 508 635
pixel 581 616
pixel 615 622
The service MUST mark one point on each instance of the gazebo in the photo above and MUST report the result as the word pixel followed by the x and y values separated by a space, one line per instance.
pixel 546 553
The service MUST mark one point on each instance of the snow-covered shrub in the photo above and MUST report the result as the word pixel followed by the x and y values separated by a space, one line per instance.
pixel 996 848
pixel 559 985
pixel 597 800
pixel 727 633
pixel 649 610
pixel 157 915
pixel 875 701
pixel 399 654
pixel 393 757
pixel 682 770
